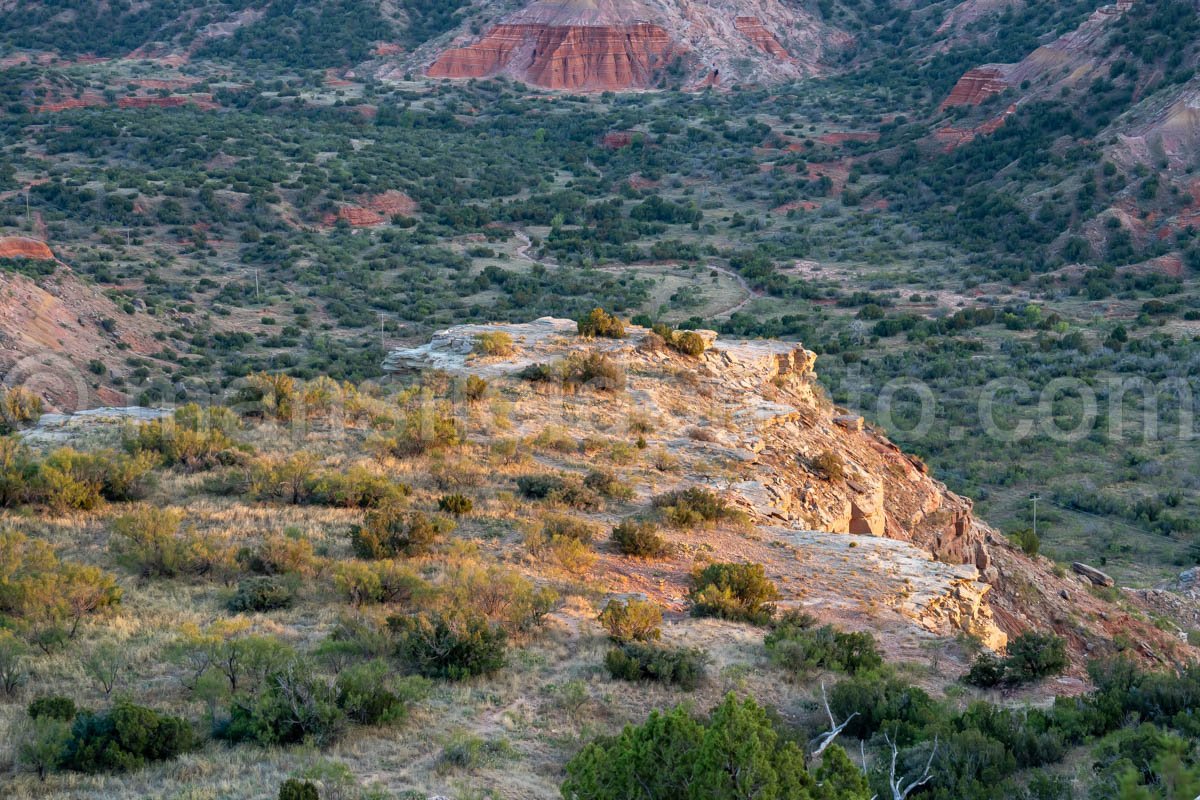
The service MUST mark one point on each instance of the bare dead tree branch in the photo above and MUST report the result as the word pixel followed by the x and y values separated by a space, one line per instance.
pixel 899 790
pixel 835 728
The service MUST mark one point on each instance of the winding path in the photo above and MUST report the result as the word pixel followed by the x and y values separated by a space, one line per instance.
pixel 751 294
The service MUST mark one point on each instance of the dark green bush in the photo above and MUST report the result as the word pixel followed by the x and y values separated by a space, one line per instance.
pixel 52 707
pixel 738 592
pixel 457 504
pixel 736 753
pixel 640 538
pixel 1031 657
pixel 125 737
pixel 389 533
pixel 540 487
pixel 606 484
pixel 263 593
pixel 293 705
pixel 696 506
pixel 453 647
pixel 369 695
pixel 800 648
pixel 675 666
pixel 293 789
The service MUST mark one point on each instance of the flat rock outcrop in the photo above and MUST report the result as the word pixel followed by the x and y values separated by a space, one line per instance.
pixel 845 522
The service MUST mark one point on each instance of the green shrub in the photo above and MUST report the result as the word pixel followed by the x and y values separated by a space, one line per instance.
pixel 457 504
pixel 19 407
pixel 14 654
pixel 390 532
pixel 381 581
pixel 594 370
pixel 497 343
pixel 357 487
pixel 148 541
pixel 293 789
pixel 607 485
pixel 568 527
pixel 631 621
pixel 738 592
pixel 126 737
pixel 293 705
pixel 467 752
pixel 735 753
pixel 454 647
pixel 52 707
pixel 639 661
pixel 36 588
pixel 1031 657
pixel 689 343
pixel 564 490
pixel 370 695
pixel 473 389
pixel 263 593
pixel 194 438
pixel 600 323
pixel 640 538
pixel 1027 540
pixel 801 648
pixel 696 506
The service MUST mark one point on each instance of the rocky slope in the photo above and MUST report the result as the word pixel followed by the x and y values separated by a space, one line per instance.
pixel 883 545
pixel 592 45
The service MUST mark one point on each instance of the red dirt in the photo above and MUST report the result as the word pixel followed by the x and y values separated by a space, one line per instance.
pixel 384 49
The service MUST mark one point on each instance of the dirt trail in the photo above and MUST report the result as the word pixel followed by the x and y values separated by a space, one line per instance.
pixel 751 294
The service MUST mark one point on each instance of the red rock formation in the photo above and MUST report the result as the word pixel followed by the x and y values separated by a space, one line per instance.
pixel 24 247
pixel 976 86
pixel 616 140
pixel 174 101
pixel 165 83
pixel 86 100
pixel 355 217
pixel 576 57
pixel 391 203
pixel 754 30
pixel 841 137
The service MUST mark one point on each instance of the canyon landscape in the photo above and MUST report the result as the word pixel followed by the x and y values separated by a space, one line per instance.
pixel 599 399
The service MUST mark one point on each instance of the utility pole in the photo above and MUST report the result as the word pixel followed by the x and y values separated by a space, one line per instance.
pixel 382 340
pixel 1034 498
pixel 28 212
pixel 256 298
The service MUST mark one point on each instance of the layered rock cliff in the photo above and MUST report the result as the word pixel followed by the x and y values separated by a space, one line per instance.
pixel 587 45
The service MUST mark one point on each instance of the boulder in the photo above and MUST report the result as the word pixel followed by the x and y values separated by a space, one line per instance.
pixel 1094 575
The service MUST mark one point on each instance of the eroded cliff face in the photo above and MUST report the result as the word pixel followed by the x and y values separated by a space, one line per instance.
pixel 588 45
pixel 572 57
pixel 25 247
